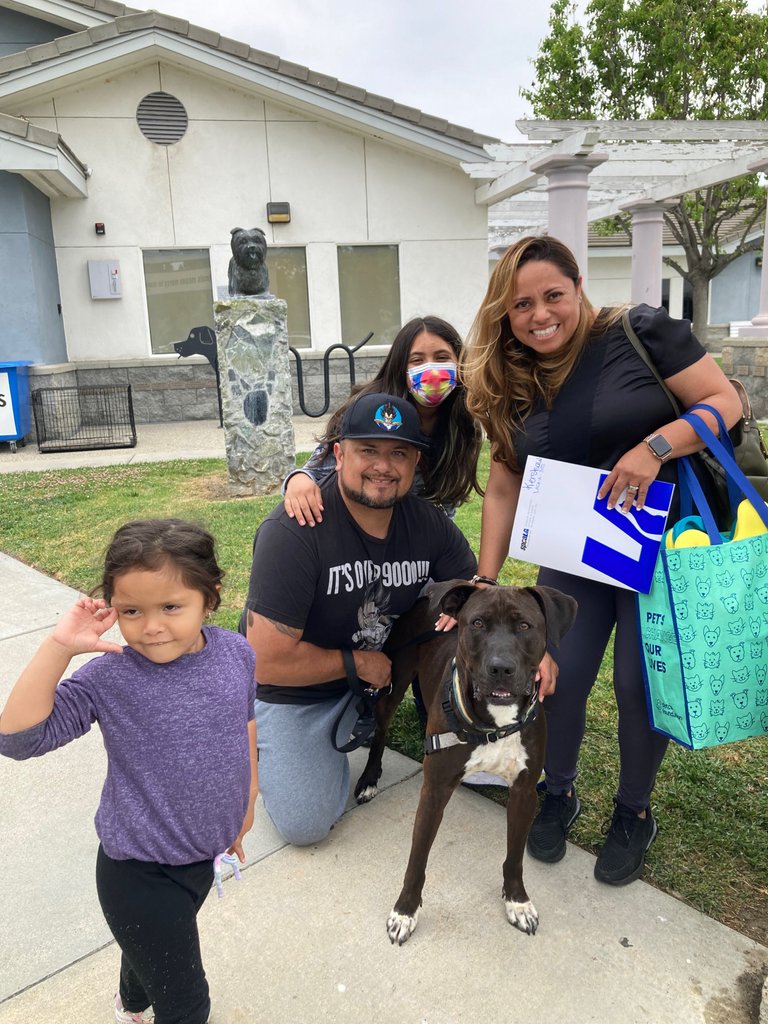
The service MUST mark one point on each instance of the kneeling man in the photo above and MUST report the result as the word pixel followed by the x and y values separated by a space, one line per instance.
pixel 321 603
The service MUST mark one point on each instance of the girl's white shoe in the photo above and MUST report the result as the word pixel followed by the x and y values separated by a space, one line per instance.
pixel 126 1017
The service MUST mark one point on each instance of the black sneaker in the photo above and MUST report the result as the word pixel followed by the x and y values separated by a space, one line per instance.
pixel 627 839
pixel 546 840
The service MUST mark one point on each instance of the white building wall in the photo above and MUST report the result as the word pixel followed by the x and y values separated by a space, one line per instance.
pixel 239 153
pixel 610 279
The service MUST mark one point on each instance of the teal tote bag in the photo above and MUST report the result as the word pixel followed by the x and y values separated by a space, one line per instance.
pixel 704 624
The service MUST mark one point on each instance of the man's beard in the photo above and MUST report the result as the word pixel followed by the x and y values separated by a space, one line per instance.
pixel 361 498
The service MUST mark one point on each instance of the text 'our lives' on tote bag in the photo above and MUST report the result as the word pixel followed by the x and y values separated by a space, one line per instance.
pixel 704 624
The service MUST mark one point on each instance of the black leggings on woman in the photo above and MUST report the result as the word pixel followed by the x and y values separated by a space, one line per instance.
pixel 151 910
pixel 579 655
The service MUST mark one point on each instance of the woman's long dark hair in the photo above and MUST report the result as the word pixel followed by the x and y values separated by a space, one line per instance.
pixel 451 474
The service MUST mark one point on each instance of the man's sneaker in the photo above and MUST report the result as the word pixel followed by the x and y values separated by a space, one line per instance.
pixel 627 839
pixel 126 1017
pixel 546 840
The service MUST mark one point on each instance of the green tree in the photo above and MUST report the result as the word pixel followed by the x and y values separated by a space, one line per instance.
pixel 666 59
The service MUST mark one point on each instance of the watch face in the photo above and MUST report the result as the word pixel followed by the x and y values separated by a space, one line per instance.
pixel 659 446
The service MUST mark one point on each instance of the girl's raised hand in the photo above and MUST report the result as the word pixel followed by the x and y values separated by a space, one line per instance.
pixel 303 501
pixel 80 629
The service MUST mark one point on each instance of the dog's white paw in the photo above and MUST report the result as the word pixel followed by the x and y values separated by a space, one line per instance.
pixel 522 915
pixel 400 927
pixel 366 795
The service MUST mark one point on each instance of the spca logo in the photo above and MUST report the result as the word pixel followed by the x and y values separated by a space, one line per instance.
pixel 524 540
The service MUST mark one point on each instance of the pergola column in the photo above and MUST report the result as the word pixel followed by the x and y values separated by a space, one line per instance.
pixel 567 191
pixel 759 328
pixel 647 246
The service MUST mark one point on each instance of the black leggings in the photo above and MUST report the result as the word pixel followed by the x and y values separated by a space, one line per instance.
pixel 151 910
pixel 641 750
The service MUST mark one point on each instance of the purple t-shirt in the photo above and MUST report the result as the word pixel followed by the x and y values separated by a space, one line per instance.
pixel 176 737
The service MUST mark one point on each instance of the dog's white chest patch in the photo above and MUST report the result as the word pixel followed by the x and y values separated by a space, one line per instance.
pixel 506 758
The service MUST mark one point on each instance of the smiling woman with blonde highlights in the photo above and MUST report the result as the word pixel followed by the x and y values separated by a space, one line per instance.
pixel 549 375
pixel 504 378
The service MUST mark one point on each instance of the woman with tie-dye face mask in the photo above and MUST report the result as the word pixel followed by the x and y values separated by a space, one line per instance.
pixel 423 366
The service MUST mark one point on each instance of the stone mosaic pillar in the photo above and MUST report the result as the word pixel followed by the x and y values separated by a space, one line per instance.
pixel 252 338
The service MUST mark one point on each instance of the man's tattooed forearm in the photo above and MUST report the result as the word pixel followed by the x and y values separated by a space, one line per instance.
pixel 291 631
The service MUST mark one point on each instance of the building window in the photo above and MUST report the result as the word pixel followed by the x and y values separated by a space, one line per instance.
pixel 179 294
pixel 287 267
pixel 369 291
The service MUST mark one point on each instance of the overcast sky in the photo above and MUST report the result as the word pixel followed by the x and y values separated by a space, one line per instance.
pixel 456 59
pixel 453 58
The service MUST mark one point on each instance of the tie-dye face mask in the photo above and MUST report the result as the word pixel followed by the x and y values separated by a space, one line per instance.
pixel 431 383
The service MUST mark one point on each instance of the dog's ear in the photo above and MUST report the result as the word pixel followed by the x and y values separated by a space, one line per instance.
pixel 453 600
pixel 559 611
pixel 234 231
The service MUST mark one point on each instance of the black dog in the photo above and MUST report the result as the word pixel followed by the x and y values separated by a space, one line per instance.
pixel 201 341
pixel 247 272
pixel 478 682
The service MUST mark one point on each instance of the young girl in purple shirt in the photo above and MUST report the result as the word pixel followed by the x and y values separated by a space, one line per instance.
pixel 175 708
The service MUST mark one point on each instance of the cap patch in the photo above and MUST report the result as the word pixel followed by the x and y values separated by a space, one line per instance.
pixel 388 417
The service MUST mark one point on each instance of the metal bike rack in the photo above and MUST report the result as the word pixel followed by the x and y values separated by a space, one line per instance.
pixel 350 352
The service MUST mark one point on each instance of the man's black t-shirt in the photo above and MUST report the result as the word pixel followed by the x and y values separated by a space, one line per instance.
pixel 341 586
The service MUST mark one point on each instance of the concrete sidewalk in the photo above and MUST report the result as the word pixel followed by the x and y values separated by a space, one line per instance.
pixel 156 442
pixel 301 939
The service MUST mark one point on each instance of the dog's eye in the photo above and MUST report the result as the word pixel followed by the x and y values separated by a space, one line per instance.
pixel 478 623
pixel 523 625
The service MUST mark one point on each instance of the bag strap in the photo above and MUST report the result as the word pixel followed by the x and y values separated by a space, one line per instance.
pixel 732 471
pixel 642 351
pixel 735 383
pixel 692 493
pixel 734 491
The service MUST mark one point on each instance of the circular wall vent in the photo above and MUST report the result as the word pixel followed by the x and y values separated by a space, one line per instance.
pixel 162 118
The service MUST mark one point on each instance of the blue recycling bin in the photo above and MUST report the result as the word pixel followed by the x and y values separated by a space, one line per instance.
pixel 15 420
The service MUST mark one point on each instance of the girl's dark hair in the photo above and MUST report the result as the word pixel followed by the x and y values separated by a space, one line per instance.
pixel 154 544
pixel 450 478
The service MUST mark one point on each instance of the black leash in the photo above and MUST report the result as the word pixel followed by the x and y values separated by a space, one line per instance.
pixel 365 725
pixel 465 729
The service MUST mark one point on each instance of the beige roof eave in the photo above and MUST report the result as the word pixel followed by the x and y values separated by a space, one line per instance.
pixel 43 158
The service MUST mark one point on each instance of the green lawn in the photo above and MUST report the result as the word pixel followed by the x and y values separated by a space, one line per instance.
pixel 712 806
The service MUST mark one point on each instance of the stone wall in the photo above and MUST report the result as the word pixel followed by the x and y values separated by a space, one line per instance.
pixel 167 389
pixel 747 359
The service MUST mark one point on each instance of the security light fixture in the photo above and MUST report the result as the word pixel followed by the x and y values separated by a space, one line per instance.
pixel 279 213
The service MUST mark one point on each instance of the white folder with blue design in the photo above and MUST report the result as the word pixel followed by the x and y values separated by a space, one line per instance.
pixel 561 523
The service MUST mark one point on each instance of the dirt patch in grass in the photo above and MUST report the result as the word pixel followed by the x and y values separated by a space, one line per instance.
pixel 215 487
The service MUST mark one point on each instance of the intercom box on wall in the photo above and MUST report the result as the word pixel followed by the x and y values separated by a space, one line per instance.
pixel 105 280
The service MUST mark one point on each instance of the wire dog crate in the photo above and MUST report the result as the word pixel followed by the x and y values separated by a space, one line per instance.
pixel 76 419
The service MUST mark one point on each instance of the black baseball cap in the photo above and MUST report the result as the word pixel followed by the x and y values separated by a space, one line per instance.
pixel 383 417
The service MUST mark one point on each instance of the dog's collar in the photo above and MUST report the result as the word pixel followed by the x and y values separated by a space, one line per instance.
pixel 465 728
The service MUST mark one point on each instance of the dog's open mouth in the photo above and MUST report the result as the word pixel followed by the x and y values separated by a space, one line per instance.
pixel 501 696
